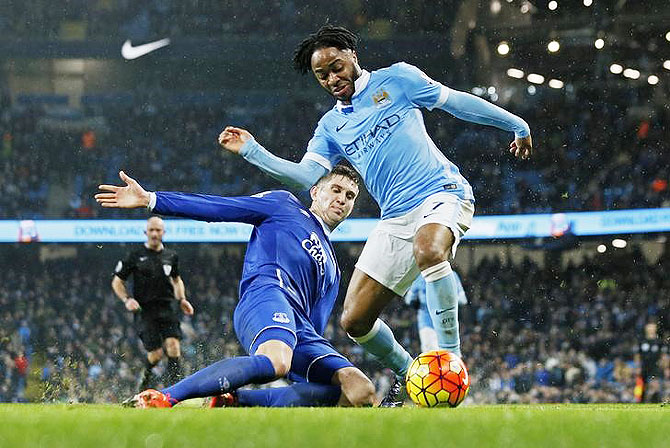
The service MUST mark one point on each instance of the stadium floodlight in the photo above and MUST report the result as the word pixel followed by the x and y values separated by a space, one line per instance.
pixel 477 91
pixel 588 3
pixel 491 90
pixel 601 249
pixel 535 78
pixel 503 48
pixel 599 43
pixel 515 73
pixel 652 79
pixel 631 73
pixel 666 65
pixel 495 7
pixel 553 4
pixel 667 36
pixel 553 46
pixel 616 68
pixel 555 83
pixel 531 90
pixel 619 243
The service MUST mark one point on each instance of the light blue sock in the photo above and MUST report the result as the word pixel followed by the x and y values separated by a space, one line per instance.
pixel 442 301
pixel 381 343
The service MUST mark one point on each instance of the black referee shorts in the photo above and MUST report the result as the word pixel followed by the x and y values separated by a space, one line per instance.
pixel 153 329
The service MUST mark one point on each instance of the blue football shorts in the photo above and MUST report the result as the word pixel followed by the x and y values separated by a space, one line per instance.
pixel 266 312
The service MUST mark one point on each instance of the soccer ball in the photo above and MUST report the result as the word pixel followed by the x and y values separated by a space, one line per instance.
pixel 437 378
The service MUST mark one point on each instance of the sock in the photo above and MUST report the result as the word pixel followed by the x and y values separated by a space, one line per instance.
pixel 298 394
pixel 173 372
pixel 222 377
pixel 442 301
pixel 381 343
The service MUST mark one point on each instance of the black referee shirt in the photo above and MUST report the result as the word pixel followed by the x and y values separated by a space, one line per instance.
pixel 151 273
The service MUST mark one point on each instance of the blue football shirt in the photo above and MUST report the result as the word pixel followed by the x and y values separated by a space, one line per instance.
pixel 288 243
pixel 383 136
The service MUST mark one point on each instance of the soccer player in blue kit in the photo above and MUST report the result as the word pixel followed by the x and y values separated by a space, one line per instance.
pixel 426 204
pixel 289 285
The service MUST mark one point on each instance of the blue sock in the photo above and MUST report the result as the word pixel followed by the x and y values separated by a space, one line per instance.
pixel 298 394
pixel 381 343
pixel 442 301
pixel 222 377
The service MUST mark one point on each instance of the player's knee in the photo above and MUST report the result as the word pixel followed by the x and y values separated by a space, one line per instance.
pixel 155 356
pixel 357 388
pixel 430 253
pixel 281 365
pixel 364 395
pixel 172 347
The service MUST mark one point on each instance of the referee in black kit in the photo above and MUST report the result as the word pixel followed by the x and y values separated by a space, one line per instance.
pixel 156 287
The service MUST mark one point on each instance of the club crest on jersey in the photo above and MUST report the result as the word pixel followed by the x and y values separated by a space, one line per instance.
pixel 167 269
pixel 381 98
pixel 281 318
pixel 314 247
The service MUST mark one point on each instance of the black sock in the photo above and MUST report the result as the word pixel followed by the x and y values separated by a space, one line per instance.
pixel 148 366
pixel 174 373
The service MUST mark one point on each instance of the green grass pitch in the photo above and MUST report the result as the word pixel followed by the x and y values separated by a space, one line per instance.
pixel 516 426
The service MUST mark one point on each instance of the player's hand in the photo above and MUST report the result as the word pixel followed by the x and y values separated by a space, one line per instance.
pixel 522 147
pixel 130 196
pixel 132 305
pixel 186 307
pixel 232 139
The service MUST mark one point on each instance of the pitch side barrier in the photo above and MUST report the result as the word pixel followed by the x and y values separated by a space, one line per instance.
pixel 187 231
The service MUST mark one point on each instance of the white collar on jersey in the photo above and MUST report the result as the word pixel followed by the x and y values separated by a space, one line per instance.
pixel 360 84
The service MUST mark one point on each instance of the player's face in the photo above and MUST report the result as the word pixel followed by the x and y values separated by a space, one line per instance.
pixel 336 70
pixel 155 231
pixel 333 199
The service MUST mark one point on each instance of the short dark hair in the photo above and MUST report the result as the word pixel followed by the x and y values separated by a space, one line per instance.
pixel 327 36
pixel 341 170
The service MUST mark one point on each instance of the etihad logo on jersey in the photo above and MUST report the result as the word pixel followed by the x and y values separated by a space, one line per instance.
pixel 381 98
pixel 314 248
pixel 371 138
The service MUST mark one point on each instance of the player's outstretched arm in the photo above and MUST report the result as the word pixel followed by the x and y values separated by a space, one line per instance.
pixel 297 175
pixel 477 110
pixel 130 196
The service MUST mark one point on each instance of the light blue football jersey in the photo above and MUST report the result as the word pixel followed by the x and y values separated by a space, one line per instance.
pixel 383 136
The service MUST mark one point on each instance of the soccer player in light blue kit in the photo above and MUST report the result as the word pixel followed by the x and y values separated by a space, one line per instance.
pixel 426 204
pixel 416 298
pixel 288 289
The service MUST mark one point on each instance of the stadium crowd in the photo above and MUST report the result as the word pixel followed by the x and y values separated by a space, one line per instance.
pixel 614 151
pixel 562 332
pixel 105 19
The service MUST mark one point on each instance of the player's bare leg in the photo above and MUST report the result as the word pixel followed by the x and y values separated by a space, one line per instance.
pixel 280 355
pixel 432 250
pixel 357 389
pixel 364 302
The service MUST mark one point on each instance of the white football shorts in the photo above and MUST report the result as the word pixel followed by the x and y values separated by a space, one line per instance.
pixel 388 255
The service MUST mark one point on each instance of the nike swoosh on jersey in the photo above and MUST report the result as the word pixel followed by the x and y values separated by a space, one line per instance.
pixel 438 312
pixel 129 52
pixel 338 128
